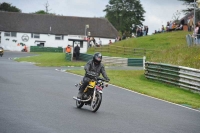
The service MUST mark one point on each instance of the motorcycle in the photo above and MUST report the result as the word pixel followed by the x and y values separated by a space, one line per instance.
pixel 92 95
pixel 1 51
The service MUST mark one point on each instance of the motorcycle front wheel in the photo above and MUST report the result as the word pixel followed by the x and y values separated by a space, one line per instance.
pixel 96 102
pixel 79 104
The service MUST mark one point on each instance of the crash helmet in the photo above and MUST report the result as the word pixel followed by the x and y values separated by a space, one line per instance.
pixel 97 58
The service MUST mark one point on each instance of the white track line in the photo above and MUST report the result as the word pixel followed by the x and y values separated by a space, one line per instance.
pixel 142 94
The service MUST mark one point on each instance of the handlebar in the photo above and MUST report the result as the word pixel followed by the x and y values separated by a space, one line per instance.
pixel 94 75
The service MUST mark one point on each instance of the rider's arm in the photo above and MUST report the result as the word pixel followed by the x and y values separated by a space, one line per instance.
pixel 104 72
pixel 87 67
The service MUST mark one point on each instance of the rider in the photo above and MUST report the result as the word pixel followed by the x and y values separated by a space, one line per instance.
pixel 94 67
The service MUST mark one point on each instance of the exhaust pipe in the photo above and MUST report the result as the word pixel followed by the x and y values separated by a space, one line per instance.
pixel 77 99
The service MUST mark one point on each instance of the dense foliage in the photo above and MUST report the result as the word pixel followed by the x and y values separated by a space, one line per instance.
pixel 8 7
pixel 124 13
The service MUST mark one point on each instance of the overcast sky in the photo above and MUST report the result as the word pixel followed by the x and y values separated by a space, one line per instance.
pixel 158 12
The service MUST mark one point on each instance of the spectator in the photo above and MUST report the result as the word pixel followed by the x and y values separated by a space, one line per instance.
pixel 119 38
pixel 124 36
pixel 141 32
pixel 198 33
pixel 68 49
pixel 94 41
pixel 100 42
pixel 195 33
pixel 110 42
pixel 191 23
pixel 163 29
pixel 88 42
pixel 77 51
pixel 138 32
pixel 147 30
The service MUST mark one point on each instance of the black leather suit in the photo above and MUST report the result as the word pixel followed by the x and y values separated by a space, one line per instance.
pixel 92 67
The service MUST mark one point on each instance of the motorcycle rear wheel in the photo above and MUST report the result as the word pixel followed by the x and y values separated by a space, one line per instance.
pixel 97 104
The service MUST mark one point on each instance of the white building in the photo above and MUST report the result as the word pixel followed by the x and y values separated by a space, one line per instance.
pixel 51 30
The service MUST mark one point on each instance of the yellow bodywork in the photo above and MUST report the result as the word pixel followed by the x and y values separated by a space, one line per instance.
pixel 91 85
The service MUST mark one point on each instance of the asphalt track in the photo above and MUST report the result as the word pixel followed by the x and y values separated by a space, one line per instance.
pixel 39 100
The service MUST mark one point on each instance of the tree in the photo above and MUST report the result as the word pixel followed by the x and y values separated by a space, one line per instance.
pixel 8 7
pixel 40 12
pixel 176 16
pixel 46 11
pixel 123 13
pixel 190 4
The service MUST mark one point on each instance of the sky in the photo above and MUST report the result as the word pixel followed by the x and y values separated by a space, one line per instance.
pixel 158 12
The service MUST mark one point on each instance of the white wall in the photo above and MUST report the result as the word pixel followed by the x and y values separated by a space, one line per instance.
pixel 50 41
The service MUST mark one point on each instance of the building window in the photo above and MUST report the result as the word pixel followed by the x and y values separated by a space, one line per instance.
pixel 11 34
pixel 35 35
pixel 59 37
pixel 7 34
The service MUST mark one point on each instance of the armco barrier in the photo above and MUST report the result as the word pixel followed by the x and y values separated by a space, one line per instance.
pixel 118 61
pixel 45 49
pixel 68 57
pixel 183 77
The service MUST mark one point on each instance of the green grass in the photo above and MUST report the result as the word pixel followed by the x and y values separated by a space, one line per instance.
pixel 140 84
pixel 51 59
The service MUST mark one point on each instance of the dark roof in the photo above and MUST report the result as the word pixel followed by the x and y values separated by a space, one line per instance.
pixel 185 18
pixel 63 25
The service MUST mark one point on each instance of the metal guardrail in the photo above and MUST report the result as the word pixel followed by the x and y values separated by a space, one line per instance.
pixel 184 77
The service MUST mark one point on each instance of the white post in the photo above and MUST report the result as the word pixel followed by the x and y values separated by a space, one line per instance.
pixel 144 60
pixel 72 52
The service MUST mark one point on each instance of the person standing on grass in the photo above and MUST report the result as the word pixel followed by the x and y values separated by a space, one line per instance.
pixel 198 34
pixel 77 51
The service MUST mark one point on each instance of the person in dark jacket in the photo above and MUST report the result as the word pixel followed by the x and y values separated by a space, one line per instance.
pixel 94 67
pixel 77 51
pixel 198 33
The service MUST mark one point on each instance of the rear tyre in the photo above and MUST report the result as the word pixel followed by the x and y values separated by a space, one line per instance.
pixel 97 102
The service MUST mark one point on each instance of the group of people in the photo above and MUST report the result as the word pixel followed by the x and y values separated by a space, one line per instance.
pixel 93 43
pixel 142 31
pixel 171 26
pixel 76 51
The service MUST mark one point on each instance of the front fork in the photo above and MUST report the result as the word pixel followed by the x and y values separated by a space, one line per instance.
pixel 94 97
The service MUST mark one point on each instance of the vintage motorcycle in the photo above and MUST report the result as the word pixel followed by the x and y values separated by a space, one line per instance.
pixel 1 51
pixel 92 94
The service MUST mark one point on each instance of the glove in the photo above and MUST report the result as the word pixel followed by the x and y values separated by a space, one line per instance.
pixel 107 80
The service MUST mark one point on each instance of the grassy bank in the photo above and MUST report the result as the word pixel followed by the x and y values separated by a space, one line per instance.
pixel 140 84
pixel 51 59
pixel 170 48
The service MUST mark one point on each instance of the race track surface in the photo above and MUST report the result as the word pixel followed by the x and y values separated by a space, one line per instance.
pixel 39 100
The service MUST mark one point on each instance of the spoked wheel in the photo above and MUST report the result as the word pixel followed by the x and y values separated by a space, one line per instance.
pixel 96 102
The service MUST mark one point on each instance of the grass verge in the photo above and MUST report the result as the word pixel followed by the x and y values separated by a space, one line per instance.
pixel 51 59
pixel 140 84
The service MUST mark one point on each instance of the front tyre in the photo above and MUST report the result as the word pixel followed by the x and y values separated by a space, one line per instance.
pixel 96 102
pixel 79 104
